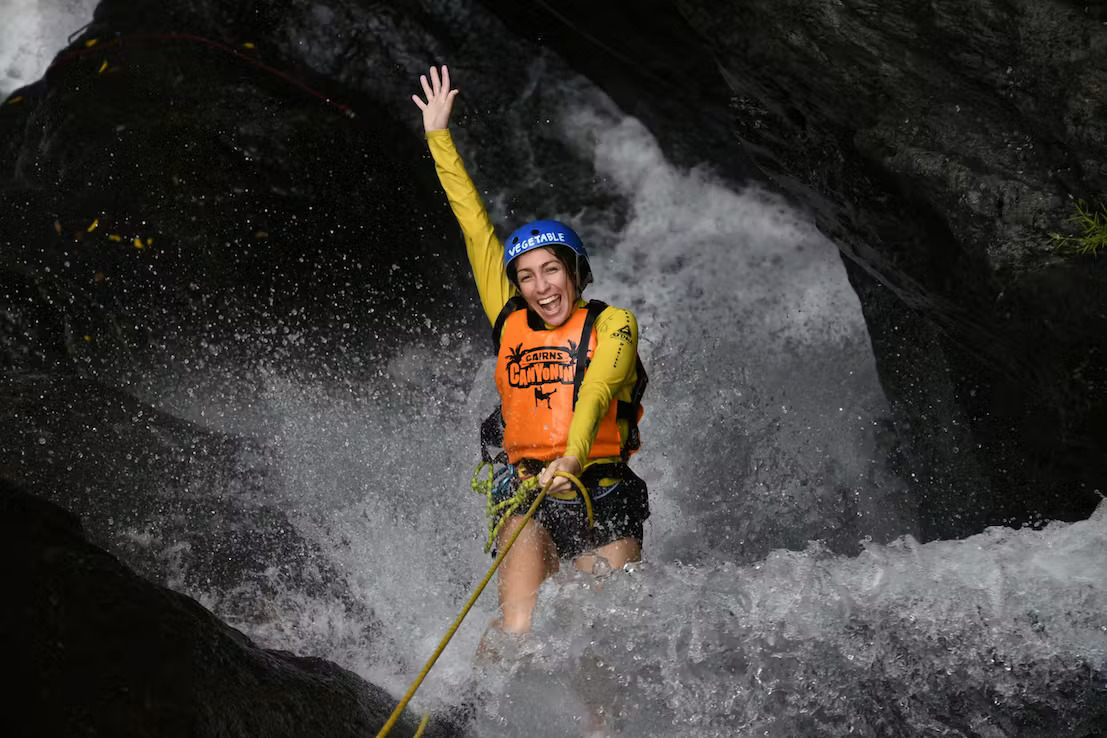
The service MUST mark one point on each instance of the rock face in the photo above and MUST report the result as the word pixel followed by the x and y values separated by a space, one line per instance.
pixel 101 651
pixel 938 145
pixel 162 177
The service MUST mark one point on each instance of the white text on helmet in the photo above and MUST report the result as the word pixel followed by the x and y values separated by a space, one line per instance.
pixel 542 238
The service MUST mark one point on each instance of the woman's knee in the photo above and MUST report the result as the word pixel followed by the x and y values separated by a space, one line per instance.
pixel 615 555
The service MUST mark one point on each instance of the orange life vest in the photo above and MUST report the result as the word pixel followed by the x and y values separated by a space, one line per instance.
pixel 536 374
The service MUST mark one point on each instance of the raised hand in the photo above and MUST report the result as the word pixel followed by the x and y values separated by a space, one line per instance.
pixel 440 99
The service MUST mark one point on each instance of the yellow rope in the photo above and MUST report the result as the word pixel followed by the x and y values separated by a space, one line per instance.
pixel 469 605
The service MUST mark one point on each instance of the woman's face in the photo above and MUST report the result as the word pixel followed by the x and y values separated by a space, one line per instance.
pixel 546 285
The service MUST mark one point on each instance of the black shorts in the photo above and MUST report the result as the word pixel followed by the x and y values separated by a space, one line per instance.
pixel 619 510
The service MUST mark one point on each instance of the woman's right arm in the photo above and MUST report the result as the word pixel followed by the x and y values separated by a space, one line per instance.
pixel 484 249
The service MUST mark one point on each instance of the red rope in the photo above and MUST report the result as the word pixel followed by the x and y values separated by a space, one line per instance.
pixel 343 108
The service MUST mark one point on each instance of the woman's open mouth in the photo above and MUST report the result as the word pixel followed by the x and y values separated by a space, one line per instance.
pixel 550 305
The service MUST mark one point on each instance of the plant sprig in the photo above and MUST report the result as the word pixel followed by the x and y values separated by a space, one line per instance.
pixel 1092 224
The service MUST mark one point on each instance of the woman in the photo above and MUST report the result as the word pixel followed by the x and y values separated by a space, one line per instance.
pixel 556 416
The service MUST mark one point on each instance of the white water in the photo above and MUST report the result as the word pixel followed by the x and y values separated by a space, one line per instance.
pixel 31 33
pixel 759 435
pixel 887 643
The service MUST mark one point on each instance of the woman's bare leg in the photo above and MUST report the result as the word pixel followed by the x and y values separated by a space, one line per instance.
pixel 530 561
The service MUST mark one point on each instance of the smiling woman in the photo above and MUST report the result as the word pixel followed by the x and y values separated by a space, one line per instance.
pixel 569 378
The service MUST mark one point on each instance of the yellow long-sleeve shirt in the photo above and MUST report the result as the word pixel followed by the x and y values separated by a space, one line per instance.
pixel 611 375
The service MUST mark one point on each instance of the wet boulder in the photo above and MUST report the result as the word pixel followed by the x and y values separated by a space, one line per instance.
pixel 101 651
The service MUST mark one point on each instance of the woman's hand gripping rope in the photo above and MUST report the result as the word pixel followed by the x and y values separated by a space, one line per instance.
pixel 480 588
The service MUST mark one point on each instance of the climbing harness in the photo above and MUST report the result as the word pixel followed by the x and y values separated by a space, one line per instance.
pixel 497 484
pixel 394 718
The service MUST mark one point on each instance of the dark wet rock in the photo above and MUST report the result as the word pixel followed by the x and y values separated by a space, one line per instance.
pixel 651 62
pixel 161 186
pixel 33 331
pixel 938 146
pixel 514 94
pixel 101 651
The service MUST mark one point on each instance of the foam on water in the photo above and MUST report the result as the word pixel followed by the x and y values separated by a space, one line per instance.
pixel 999 634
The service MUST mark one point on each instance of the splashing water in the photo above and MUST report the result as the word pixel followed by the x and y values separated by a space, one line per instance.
pixel 1000 634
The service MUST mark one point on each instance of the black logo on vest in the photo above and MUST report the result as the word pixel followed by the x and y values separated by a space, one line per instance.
pixel 540 366
pixel 540 396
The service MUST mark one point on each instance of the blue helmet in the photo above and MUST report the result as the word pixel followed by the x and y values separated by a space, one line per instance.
pixel 551 234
